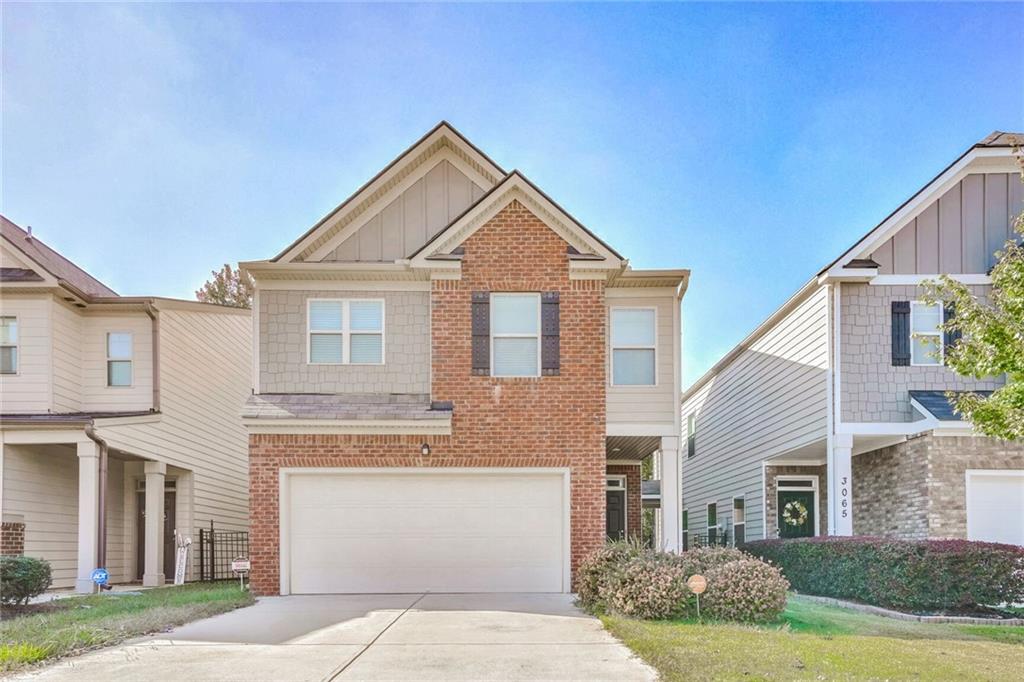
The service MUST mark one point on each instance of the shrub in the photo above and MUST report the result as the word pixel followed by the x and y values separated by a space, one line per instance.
pixel 704 560
pixel 747 590
pixel 22 578
pixel 651 585
pixel 924 575
pixel 598 569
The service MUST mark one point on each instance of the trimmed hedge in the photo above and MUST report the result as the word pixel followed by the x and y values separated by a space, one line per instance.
pixel 925 575
pixel 22 578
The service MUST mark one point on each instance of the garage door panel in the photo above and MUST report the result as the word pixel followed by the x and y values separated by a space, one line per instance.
pixel 415 531
pixel 995 506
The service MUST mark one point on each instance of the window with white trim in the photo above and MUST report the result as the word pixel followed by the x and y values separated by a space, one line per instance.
pixel 8 344
pixel 515 335
pixel 345 331
pixel 119 359
pixel 925 333
pixel 633 347
pixel 691 435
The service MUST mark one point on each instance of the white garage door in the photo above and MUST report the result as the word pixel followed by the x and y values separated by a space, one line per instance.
pixel 995 506
pixel 424 530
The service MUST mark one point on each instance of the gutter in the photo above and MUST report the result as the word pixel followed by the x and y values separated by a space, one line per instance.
pixel 154 317
pixel 101 539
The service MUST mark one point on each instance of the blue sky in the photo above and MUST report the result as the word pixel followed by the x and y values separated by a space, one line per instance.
pixel 750 143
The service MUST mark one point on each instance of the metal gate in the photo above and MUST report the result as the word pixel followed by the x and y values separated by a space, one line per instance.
pixel 217 549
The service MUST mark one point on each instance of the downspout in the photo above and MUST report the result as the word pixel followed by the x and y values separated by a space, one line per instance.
pixel 101 539
pixel 155 334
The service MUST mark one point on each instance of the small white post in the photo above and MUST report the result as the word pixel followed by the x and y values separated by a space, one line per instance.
pixel 153 569
pixel 88 514
pixel 671 495
pixel 840 484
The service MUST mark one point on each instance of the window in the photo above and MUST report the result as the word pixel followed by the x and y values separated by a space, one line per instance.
pixel 633 347
pixel 8 345
pixel 686 530
pixel 713 524
pixel 926 334
pixel 119 359
pixel 515 335
pixel 691 435
pixel 739 518
pixel 346 332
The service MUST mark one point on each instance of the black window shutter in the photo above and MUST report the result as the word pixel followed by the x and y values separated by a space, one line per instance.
pixel 900 333
pixel 550 326
pixel 481 315
pixel 950 337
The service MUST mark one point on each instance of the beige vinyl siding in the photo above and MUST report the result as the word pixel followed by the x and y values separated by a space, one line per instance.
pixel 646 404
pixel 67 358
pixel 768 401
pixel 959 232
pixel 96 395
pixel 29 389
pixel 417 214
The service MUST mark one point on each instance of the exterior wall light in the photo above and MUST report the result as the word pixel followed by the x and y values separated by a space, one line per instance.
pixel 425 449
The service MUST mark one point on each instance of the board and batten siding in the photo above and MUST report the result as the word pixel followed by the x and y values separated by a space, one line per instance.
pixel 29 389
pixel 96 395
pixel 769 400
pixel 958 233
pixel 646 405
pixel 413 217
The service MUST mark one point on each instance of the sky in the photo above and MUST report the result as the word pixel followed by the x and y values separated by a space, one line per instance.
pixel 751 144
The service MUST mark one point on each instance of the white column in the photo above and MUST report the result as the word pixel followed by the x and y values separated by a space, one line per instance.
pixel 671 496
pixel 153 569
pixel 88 514
pixel 840 484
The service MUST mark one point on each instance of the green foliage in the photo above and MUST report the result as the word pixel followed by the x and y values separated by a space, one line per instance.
pixel 747 591
pixel 993 340
pixel 597 571
pixel 920 576
pixel 229 287
pixel 22 578
pixel 651 585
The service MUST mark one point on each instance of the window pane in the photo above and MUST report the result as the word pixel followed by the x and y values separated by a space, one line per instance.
pixel 632 328
pixel 8 360
pixel 926 317
pixel 633 367
pixel 515 313
pixel 325 348
pixel 686 519
pixel 515 357
pixel 366 316
pixel 921 349
pixel 119 373
pixel 8 330
pixel 119 345
pixel 325 315
pixel 365 348
pixel 712 514
pixel 691 425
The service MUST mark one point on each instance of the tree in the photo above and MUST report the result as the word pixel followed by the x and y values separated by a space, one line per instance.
pixel 227 286
pixel 992 338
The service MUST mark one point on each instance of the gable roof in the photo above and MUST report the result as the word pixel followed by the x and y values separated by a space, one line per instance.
pixel 441 135
pixel 51 261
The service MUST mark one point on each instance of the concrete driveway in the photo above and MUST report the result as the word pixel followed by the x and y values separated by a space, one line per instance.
pixel 374 637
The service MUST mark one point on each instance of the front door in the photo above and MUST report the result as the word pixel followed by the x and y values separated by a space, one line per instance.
pixel 796 513
pixel 615 515
pixel 169 516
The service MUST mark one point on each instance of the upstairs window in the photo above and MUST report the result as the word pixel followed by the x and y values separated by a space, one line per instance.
pixel 8 344
pixel 345 332
pixel 515 335
pixel 926 334
pixel 119 359
pixel 633 346
pixel 691 435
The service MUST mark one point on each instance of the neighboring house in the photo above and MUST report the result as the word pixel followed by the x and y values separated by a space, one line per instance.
pixel 146 388
pixel 454 381
pixel 831 417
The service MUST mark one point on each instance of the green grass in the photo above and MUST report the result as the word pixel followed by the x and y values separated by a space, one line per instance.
pixel 101 620
pixel 814 641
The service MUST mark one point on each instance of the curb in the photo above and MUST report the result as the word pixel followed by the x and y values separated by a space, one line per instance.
pixel 899 615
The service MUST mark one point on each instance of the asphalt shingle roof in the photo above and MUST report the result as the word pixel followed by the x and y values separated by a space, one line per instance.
pixel 938 404
pixel 56 264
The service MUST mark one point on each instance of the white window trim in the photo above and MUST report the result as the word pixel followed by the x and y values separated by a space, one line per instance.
pixel 16 346
pixel 130 359
pixel 691 421
pixel 813 478
pixel 617 482
pixel 613 347
pixel 707 516
pixel 939 334
pixel 739 497
pixel 346 331
pixel 514 336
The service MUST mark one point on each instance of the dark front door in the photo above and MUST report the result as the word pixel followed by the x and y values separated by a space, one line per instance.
pixel 169 516
pixel 796 513
pixel 616 514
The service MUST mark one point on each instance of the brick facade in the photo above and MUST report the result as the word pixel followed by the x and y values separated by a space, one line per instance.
pixel 12 538
pixel 633 498
pixel 771 500
pixel 551 421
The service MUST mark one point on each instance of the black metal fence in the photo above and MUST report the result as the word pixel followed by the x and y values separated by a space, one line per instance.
pixel 217 549
pixel 713 539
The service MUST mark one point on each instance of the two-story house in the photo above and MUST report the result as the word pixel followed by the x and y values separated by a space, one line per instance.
pixel 455 385
pixel 832 417
pixel 119 419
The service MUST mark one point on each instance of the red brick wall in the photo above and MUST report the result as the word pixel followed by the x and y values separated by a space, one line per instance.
pixel 551 421
pixel 633 501
pixel 12 538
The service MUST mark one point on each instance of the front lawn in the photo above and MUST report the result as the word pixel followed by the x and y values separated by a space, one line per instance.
pixel 814 641
pixel 76 624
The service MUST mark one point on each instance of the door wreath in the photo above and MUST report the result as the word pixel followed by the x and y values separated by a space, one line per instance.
pixel 794 513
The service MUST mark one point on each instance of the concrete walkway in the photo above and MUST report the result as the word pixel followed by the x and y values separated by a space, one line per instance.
pixel 374 637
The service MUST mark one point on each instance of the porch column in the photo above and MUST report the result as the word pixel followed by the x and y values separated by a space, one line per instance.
pixel 671 495
pixel 153 567
pixel 840 484
pixel 88 514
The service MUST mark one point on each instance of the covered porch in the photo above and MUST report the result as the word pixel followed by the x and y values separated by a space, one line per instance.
pixel 642 479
